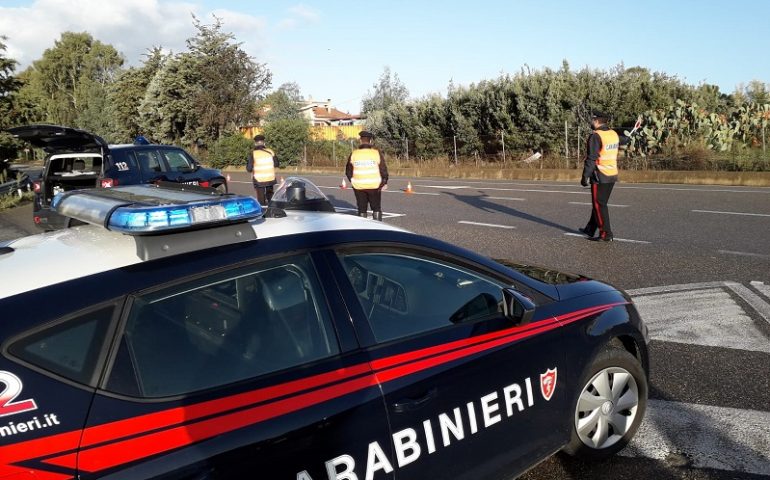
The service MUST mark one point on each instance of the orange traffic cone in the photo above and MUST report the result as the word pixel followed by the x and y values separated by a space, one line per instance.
pixel 280 181
pixel 228 177
pixel 409 188
pixel 344 184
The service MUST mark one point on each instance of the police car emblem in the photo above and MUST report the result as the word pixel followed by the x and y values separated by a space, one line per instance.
pixel 548 383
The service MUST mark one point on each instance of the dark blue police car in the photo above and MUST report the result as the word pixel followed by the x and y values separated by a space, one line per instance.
pixel 79 159
pixel 190 335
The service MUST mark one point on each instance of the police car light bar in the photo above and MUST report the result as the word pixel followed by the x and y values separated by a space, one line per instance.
pixel 148 209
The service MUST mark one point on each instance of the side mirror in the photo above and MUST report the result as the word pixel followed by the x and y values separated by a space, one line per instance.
pixel 517 307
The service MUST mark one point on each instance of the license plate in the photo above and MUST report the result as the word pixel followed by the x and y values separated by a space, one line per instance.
pixel 208 213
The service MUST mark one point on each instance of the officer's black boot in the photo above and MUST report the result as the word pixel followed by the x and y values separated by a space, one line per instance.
pixel 377 215
pixel 362 214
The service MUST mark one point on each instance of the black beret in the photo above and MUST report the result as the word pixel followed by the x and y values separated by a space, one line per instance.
pixel 259 138
pixel 365 134
pixel 597 114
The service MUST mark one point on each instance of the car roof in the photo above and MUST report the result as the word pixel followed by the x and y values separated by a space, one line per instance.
pixel 49 258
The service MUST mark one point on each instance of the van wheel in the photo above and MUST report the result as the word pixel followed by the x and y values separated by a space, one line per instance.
pixel 610 407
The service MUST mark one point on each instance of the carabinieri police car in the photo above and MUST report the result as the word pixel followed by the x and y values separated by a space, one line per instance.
pixel 188 334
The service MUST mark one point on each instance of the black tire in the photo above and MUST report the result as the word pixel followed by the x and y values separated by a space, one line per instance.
pixel 220 187
pixel 602 422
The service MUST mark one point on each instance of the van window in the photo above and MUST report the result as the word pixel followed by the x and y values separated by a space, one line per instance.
pixel 72 165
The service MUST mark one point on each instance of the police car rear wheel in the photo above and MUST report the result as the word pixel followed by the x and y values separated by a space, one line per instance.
pixel 610 406
pixel 221 188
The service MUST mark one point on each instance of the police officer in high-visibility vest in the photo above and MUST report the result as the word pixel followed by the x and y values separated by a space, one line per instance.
pixel 600 171
pixel 368 175
pixel 262 164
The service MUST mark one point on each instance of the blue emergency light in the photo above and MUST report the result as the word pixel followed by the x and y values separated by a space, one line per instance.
pixel 148 209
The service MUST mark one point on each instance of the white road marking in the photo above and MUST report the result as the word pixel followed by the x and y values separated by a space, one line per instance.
pixel 756 302
pixel 733 213
pixel 497 189
pixel 384 191
pixel 532 190
pixel 589 204
pixel 412 193
pixel 507 198
pixel 674 288
pixel 743 254
pixel 702 317
pixel 622 186
pixel 384 214
pixel 446 187
pixel 709 437
pixel 494 225
pixel 764 289
pixel 705 190
pixel 626 240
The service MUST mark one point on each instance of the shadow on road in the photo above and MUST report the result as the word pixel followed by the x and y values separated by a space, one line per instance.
pixel 482 204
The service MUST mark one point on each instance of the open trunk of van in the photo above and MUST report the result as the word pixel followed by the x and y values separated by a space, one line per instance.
pixel 71 171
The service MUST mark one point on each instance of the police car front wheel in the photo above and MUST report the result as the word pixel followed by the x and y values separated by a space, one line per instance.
pixel 610 406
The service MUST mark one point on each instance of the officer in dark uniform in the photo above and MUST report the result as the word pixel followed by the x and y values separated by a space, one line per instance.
pixel 601 172
pixel 262 164
pixel 368 175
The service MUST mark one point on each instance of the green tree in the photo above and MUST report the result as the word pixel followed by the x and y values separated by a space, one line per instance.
pixel 69 83
pixel 229 83
pixel 287 138
pixel 387 91
pixel 125 95
pixel 167 111
pixel 9 85
pixel 757 92
pixel 283 104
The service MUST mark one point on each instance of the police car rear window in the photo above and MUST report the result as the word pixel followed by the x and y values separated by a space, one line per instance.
pixel 70 348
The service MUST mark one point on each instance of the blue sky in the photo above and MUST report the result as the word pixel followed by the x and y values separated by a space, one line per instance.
pixel 338 49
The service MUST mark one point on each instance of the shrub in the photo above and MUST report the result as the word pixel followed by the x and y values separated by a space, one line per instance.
pixel 229 150
pixel 287 138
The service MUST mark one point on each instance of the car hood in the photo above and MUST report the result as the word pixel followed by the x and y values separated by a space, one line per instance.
pixel 568 285
pixel 55 138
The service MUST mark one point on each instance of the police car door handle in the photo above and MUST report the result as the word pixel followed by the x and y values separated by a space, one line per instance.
pixel 411 404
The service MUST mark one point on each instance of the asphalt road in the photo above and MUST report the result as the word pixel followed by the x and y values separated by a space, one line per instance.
pixel 696 259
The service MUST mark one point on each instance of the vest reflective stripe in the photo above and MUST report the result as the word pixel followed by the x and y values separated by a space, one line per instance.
pixel 264 167
pixel 366 169
pixel 607 163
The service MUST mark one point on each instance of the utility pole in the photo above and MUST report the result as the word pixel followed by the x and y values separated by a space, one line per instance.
pixel 577 154
pixel 566 142
pixel 334 151
pixel 406 145
pixel 502 139
pixel 454 140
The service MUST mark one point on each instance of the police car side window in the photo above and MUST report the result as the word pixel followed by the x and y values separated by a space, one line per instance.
pixel 177 161
pixel 404 294
pixel 149 161
pixel 223 329
pixel 70 348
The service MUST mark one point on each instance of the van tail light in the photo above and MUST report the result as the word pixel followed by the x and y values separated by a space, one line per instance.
pixel 109 182
pixel 204 183
pixel 36 187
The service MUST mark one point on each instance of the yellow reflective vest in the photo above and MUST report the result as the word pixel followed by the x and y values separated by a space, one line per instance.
pixel 607 163
pixel 264 166
pixel 366 169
